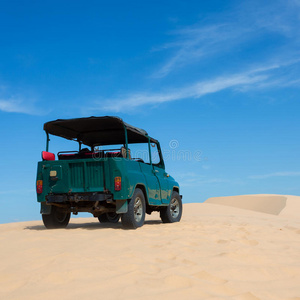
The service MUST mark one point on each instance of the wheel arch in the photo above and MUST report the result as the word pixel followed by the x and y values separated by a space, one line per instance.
pixel 143 188
pixel 175 189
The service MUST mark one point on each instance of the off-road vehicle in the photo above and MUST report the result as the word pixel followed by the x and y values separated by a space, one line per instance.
pixel 117 172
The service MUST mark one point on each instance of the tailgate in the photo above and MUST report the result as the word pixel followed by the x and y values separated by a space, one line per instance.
pixel 73 176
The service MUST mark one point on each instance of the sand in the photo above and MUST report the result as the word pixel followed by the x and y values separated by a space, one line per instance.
pixel 242 247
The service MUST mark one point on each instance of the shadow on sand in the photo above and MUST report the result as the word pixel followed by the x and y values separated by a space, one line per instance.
pixel 92 226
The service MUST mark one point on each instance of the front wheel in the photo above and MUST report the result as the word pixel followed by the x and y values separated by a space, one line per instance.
pixel 135 215
pixel 172 213
pixel 56 219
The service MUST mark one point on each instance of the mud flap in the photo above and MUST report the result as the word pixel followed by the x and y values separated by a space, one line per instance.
pixel 45 209
pixel 121 206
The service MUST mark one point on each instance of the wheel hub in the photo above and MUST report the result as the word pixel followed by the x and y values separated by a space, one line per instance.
pixel 138 209
pixel 174 207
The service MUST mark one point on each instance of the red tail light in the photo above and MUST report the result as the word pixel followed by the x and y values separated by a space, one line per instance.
pixel 39 186
pixel 118 185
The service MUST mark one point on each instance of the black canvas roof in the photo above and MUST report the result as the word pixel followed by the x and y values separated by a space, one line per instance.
pixel 95 131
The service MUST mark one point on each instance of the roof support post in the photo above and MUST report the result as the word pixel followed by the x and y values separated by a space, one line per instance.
pixel 126 142
pixel 47 142
pixel 149 148
pixel 162 164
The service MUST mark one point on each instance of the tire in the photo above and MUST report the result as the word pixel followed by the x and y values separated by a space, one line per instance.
pixel 135 216
pixel 110 217
pixel 56 219
pixel 173 212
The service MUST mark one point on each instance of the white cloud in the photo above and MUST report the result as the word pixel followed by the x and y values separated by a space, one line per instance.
pixel 275 174
pixel 278 70
pixel 12 106
pixel 14 99
pixel 228 31
pixel 19 106
pixel 196 90
pixel 198 42
pixel 259 77
pixel 196 181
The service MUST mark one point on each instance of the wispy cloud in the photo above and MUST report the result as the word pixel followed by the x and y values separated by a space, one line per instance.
pixel 275 174
pixel 20 106
pixel 192 179
pixel 227 32
pixel 193 182
pixel 196 90
pixel 16 106
pixel 195 43
pixel 222 36
pixel 23 100
pixel 258 77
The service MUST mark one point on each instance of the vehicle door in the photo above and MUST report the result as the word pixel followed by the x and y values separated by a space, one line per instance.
pixel 140 153
pixel 160 173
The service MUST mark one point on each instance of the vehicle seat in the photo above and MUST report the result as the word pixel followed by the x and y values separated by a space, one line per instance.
pixel 68 156
pixel 48 155
pixel 112 154
pixel 85 153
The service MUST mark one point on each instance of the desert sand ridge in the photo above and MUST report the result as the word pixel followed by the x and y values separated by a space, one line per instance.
pixel 264 203
pixel 270 204
pixel 217 251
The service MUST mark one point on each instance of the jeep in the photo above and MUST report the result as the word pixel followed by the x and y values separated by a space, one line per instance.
pixel 117 172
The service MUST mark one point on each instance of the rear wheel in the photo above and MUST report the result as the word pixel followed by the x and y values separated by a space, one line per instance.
pixel 135 215
pixel 172 213
pixel 110 217
pixel 56 219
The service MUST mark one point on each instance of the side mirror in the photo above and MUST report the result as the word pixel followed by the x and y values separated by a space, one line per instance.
pixel 48 155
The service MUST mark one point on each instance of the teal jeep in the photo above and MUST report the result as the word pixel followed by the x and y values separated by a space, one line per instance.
pixel 117 172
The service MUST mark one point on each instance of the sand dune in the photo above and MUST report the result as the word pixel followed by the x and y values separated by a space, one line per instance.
pixel 270 204
pixel 247 248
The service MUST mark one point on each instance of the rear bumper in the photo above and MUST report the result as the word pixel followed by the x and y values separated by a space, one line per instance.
pixel 62 198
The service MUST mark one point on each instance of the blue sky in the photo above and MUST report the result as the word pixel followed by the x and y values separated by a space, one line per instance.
pixel 218 81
